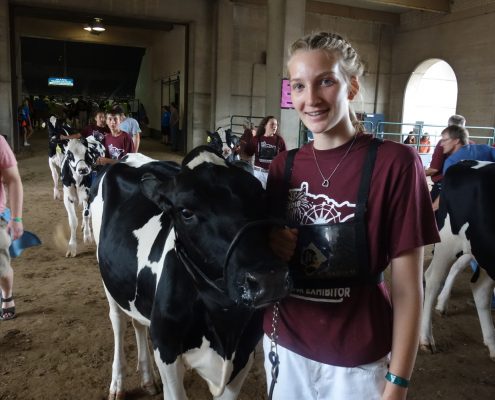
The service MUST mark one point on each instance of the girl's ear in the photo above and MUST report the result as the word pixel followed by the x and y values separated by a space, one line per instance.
pixel 353 88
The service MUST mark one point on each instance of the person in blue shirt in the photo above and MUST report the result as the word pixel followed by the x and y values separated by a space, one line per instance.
pixel 480 152
pixel 165 125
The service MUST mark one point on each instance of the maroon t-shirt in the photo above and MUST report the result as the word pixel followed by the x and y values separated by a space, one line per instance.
pixel 98 132
pixel 437 160
pixel 264 148
pixel 354 327
pixel 117 147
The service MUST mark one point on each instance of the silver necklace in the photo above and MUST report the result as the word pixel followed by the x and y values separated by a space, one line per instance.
pixel 326 181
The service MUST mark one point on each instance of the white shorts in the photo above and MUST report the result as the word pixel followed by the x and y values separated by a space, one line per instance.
pixel 262 175
pixel 300 378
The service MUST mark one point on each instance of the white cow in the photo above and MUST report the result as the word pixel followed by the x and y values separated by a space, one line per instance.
pixel 80 156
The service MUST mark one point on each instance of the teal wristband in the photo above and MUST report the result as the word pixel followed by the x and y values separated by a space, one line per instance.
pixel 17 219
pixel 397 380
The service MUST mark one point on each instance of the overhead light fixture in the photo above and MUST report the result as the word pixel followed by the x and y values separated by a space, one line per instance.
pixel 95 27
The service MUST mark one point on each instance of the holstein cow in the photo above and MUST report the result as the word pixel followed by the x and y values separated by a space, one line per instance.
pixel 80 156
pixel 467 200
pixel 186 254
pixel 56 127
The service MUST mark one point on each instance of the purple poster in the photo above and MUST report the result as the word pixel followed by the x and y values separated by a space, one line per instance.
pixel 285 100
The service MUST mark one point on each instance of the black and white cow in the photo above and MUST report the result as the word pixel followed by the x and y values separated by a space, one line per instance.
pixel 56 127
pixel 225 142
pixel 467 206
pixel 186 254
pixel 80 157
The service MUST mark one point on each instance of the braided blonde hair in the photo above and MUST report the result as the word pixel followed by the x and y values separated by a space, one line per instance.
pixel 349 59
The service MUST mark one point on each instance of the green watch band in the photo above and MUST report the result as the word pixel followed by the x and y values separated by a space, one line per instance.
pixel 397 380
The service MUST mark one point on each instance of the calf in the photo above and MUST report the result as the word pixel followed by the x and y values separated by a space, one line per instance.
pixel 80 156
pixel 56 127
pixel 185 253
pixel 466 205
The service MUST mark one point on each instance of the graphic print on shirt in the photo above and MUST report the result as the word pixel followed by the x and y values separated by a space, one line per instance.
pixel 267 152
pixel 114 152
pixel 318 255
pixel 307 209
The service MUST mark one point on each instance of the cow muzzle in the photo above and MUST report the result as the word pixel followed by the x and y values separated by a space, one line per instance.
pixel 82 168
pixel 260 289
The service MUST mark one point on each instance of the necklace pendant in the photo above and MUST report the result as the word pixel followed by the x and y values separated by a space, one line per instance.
pixel 325 183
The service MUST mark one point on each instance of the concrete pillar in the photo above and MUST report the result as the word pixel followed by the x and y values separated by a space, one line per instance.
pixel 6 115
pixel 285 24
pixel 223 58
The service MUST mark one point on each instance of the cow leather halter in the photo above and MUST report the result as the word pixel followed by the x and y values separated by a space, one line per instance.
pixel 199 277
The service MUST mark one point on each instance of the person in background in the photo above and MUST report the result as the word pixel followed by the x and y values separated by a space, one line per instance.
pixel 117 143
pixel 424 143
pixel 247 135
pixel 174 126
pixel 165 125
pixel 131 126
pixel 438 158
pixel 98 129
pixel 25 122
pixel 411 138
pixel 341 334
pixel 265 145
pixel 9 230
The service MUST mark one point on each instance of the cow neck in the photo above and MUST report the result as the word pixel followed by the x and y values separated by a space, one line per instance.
pixel 207 288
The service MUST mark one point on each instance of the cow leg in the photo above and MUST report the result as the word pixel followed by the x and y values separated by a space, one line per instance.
pixel 444 295
pixel 233 389
pixel 145 363
pixel 117 318
pixel 482 292
pixel 86 220
pixel 71 213
pixel 54 171
pixel 434 277
pixel 172 376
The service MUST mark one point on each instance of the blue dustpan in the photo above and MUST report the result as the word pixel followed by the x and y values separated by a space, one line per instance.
pixel 28 239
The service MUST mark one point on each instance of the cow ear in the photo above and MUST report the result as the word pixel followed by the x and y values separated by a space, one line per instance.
pixel 155 190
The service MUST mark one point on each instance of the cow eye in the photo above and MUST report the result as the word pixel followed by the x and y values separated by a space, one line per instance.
pixel 186 213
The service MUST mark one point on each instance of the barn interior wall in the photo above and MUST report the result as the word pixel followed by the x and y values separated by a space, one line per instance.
pixel 165 57
pixel 6 113
pixel 465 39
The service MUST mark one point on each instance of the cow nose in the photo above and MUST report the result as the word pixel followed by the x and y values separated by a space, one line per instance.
pixel 83 171
pixel 262 289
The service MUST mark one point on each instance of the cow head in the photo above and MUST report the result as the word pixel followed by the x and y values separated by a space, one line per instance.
pixel 81 154
pixel 221 225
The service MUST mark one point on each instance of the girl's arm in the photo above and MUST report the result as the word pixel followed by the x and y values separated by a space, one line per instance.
pixel 407 301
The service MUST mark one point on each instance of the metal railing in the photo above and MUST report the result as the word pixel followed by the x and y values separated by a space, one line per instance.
pixel 238 122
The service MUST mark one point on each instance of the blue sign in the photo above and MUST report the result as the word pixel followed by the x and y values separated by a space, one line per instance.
pixel 60 82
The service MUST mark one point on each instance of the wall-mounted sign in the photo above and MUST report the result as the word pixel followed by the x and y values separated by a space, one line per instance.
pixel 285 100
pixel 60 82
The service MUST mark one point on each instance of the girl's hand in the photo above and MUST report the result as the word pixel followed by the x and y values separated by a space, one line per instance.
pixel 283 242
pixel 15 229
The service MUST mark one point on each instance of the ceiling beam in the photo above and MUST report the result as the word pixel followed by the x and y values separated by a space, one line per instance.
pixel 441 6
pixel 363 14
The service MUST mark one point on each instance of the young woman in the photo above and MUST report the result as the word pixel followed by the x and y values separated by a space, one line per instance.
pixel 265 145
pixel 356 205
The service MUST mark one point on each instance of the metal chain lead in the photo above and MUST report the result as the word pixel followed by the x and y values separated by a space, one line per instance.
pixel 273 355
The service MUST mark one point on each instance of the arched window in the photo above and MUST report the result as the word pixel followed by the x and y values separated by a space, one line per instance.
pixel 431 95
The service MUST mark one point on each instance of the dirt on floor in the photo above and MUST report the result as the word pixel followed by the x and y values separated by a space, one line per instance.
pixel 60 345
